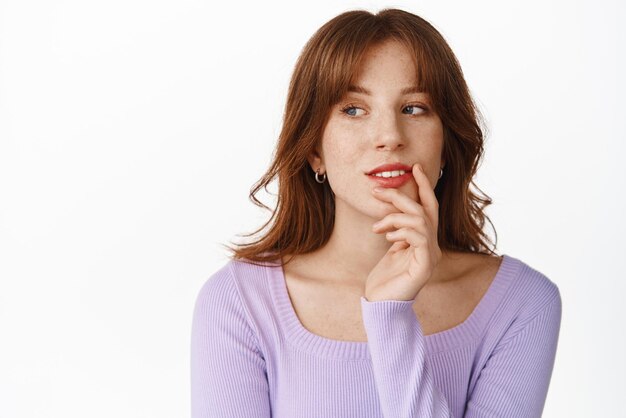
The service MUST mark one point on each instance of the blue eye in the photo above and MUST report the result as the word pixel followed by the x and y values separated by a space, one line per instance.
pixel 414 110
pixel 420 109
pixel 350 108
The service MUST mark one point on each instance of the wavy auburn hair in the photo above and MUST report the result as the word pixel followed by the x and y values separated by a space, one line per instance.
pixel 304 215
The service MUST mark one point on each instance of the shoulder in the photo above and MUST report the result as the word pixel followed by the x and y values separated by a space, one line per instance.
pixel 529 298
pixel 220 314
pixel 222 296
pixel 232 278
pixel 218 293
pixel 237 286
pixel 515 286
pixel 235 273
pixel 533 289
pixel 521 298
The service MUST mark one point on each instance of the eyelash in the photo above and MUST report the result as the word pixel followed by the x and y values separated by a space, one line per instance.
pixel 352 105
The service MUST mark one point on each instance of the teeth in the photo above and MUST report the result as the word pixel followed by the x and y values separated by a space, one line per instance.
pixel 390 173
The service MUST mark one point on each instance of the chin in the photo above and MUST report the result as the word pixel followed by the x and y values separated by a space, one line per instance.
pixel 384 208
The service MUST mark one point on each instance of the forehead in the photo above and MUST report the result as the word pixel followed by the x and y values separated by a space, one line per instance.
pixel 388 61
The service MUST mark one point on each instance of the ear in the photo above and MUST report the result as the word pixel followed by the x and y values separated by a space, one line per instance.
pixel 315 161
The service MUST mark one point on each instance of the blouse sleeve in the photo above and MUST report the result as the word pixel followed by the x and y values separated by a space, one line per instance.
pixel 515 379
pixel 513 383
pixel 396 343
pixel 228 377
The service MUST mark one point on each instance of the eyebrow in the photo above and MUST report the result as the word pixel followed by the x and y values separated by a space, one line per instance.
pixel 363 90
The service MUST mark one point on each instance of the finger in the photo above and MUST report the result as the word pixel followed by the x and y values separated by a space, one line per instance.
pixel 399 200
pixel 395 221
pixel 398 245
pixel 411 236
pixel 427 195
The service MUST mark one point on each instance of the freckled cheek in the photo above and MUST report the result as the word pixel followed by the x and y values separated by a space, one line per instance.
pixel 342 162
pixel 343 147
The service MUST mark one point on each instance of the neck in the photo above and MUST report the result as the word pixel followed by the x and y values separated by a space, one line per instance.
pixel 353 250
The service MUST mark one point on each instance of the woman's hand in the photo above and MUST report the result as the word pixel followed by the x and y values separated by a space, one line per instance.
pixel 411 259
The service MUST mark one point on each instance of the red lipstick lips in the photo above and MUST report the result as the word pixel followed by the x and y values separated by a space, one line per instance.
pixel 394 182
pixel 390 167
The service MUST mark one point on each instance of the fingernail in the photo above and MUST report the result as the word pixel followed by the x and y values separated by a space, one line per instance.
pixel 378 189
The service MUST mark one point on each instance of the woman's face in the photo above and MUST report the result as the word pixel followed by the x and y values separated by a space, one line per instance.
pixel 385 126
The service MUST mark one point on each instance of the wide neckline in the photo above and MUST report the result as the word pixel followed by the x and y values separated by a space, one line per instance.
pixel 467 331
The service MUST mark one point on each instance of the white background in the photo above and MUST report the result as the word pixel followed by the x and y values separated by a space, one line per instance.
pixel 130 135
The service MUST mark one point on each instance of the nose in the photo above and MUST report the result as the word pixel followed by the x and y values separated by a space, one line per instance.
pixel 388 131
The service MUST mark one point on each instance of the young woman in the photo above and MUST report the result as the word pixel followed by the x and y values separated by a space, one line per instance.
pixel 373 293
